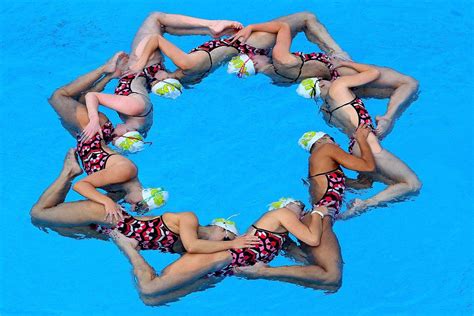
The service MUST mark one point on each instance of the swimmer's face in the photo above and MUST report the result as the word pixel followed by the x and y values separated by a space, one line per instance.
pixel 324 85
pixel 260 62
pixel 121 129
pixel 326 139
pixel 136 202
pixel 217 233
pixel 297 207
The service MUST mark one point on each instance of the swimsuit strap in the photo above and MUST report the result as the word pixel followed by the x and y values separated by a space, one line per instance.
pixel 324 173
pixel 269 231
pixel 166 226
pixel 208 50
pixel 337 108
pixel 144 115
pixel 299 72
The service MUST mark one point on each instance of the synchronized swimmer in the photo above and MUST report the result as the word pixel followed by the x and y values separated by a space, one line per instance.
pixel 210 253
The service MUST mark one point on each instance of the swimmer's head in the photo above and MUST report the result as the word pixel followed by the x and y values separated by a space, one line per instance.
pixel 287 202
pixel 309 140
pixel 242 65
pixel 309 88
pixel 151 198
pixel 168 88
pixel 129 143
pixel 222 229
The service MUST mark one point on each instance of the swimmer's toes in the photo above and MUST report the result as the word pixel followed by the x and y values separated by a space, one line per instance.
pixel 71 163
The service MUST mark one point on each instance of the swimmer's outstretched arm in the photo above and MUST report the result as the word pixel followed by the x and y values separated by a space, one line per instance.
pixel 189 224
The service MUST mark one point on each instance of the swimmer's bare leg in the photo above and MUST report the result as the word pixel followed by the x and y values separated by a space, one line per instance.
pixel 51 211
pixel 324 273
pixel 315 32
pixel 405 93
pixel 177 24
pixel 113 69
pixel 404 182
pixel 66 99
pixel 197 286
pixel 185 270
pixel 401 90
pixel 363 181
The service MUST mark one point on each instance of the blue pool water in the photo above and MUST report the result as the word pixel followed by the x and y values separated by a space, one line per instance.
pixel 229 146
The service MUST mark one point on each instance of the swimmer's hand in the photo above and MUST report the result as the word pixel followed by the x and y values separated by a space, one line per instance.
pixel 362 132
pixel 242 35
pixel 245 241
pixel 92 128
pixel 113 211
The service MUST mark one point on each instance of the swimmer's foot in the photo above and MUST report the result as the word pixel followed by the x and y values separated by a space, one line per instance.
pixel 384 126
pixel 223 27
pixel 355 208
pixel 117 64
pixel 122 241
pixel 361 183
pixel 71 165
pixel 251 272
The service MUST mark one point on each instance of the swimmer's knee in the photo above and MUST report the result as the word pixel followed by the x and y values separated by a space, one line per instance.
pixel 36 217
pixel 146 289
pixel 35 213
pixel 148 301
pixel 156 15
pixel 57 96
pixel 415 185
pixel 334 280
pixel 307 15
pixel 412 83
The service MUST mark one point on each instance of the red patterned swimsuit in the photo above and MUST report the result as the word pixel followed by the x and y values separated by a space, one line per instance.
pixel 362 113
pixel 321 57
pixel 151 234
pixel 91 153
pixel 335 188
pixel 270 245
pixel 209 46
pixel 139 83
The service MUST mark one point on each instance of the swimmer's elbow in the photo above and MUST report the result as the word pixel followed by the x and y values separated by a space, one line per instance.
pixel 374 73
pixel 78 186
pixel 192 249
pixel 370 167
pixel 313 241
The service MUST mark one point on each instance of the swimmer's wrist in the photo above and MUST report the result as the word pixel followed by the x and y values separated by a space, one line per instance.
pixel 318 212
